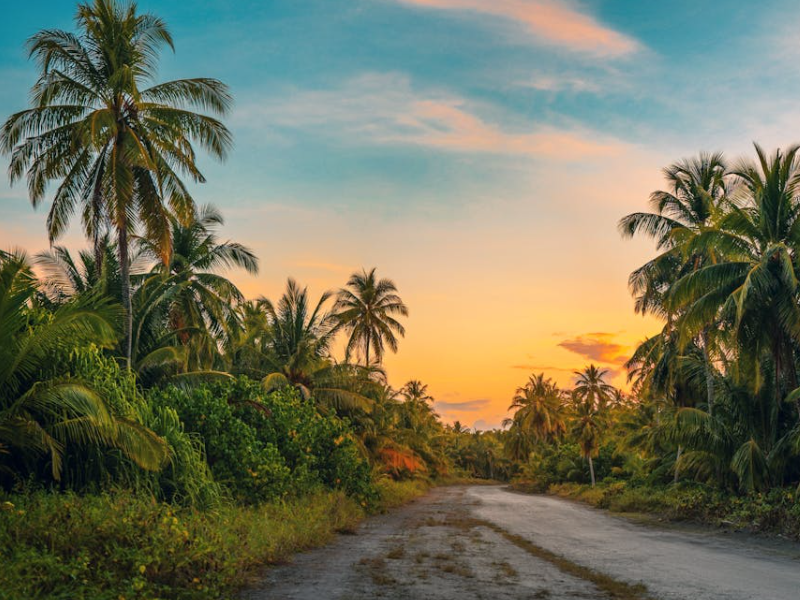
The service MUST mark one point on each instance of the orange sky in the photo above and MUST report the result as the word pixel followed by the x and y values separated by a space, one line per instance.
pixel 507 287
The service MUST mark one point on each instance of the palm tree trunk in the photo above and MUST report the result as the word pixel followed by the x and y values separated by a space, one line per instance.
pixel 591 469
pixel 98 250
pixel 677 462
pixel 709 375
pixel 125 273
pixel 790 360
pixel 367 353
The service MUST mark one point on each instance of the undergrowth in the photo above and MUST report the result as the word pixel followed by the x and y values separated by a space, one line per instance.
pixel 121 546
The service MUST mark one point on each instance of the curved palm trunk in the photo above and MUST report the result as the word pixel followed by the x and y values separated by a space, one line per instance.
pixel 790 360
pixel 125 273
pixel 591 469
pixel 98 249
pixel 709 375
pixel 677 465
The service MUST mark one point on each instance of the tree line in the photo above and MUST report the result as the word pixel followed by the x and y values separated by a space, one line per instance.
pixel 715 395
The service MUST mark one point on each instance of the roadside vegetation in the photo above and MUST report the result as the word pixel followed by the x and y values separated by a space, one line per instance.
pixel 711 427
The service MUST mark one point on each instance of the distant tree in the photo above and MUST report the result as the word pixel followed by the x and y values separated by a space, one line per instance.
pixel 592 387
pixel 366 308
pixel 416 391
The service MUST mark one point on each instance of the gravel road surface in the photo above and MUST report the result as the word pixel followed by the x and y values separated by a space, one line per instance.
pixel 486 542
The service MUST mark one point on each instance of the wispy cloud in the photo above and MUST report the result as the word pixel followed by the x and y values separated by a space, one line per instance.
pixel 560 23
pixel 599 347
pixel 562 83
pixel 466 406
pixel 383 108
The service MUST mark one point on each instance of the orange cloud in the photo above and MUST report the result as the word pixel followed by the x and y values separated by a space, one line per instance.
pixel 466 406
pixel 597 347
pixel 558 23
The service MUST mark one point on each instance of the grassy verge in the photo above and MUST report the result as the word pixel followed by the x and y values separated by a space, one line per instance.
pixel 118 546
pixel 396 493
pixel 776 512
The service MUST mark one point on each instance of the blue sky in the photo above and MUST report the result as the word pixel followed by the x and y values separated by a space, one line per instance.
pixel 480 152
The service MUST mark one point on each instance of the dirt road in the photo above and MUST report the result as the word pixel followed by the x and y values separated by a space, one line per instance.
pixel 485 542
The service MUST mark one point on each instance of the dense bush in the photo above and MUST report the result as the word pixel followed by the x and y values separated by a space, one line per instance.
pixel 265 445
pixel 185 478
pixel 552 464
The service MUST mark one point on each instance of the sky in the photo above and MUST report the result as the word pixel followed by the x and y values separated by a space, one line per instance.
pixel 478 152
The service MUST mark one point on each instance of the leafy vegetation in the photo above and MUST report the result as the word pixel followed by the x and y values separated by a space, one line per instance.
pixel 715 394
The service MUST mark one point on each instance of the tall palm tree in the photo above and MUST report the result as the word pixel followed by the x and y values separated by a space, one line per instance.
pixel 587 427
pixel 366 308
pixel 696 197
pixel 755 287
pixel 118 145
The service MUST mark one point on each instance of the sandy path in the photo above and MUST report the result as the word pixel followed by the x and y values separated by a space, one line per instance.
pixel 454 543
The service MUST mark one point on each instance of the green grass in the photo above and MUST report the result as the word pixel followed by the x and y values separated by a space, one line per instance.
pixel 396 493
pixel 122 546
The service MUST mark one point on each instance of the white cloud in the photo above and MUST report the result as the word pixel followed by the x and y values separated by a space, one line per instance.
pixel 384 109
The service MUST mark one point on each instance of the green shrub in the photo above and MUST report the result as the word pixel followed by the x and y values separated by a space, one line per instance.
pixel 263 446
pixel 185 479
pixel 396 493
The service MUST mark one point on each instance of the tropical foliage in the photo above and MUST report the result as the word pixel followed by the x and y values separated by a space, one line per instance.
pixel 715 393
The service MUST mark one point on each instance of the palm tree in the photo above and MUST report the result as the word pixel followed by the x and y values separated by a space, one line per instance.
pixel 755 287
pixel 592 388
pixel 44 415
pixel 587 427
pixel 118 145
pixel 696 197
pixel 538 409
pixel 296 351
pixel 203 300
pixel 300 334
pixel 66 276
pixel 366 308
pixel 416 391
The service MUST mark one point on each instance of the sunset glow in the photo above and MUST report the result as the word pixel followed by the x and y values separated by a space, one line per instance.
pixel 479 153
